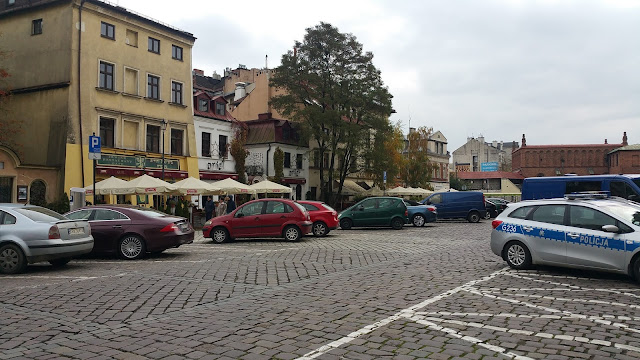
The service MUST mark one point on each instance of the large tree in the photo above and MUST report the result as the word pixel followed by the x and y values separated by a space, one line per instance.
pixel 331 87
pixel 239 152
pixel 386 155
pixel 418 169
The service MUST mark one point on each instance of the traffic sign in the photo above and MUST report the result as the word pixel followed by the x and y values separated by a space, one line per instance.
pixel 95 156
pixel 384 177
pixel 94 144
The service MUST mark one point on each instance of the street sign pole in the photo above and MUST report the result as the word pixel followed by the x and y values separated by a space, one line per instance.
pixel 94 154
pixel 94 178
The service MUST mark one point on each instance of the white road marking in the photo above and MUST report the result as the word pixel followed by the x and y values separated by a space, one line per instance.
pixel 573 287
pixel 584 301
pixel 405 313
pixel 73 279
pixel 527 316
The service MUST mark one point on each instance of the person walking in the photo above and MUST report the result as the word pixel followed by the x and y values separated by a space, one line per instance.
pixel 222 208
pixel 231 205
pixel 209 207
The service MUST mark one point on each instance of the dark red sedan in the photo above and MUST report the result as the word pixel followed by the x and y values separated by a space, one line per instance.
pixel 323 216
pixel 132 231
pixel 260 218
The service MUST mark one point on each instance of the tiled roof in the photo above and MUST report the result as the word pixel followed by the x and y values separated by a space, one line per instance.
pixel 261 132
pixel 476 175
pixel 635 147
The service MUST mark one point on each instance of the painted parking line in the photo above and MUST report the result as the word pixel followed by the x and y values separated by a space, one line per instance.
pixel 527 316
pixel 575 287
pixel 72 278
pixel 405 313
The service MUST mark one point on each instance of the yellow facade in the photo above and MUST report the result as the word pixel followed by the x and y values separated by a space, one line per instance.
pixel 62 100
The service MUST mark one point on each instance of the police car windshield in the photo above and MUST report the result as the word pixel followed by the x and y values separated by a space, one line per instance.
pixel 627 212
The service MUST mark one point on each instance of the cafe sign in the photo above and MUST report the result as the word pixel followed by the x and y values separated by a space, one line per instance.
pixel 137 162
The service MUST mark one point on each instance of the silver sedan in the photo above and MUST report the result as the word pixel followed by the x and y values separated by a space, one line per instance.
pixel 586 233
pixel 30 234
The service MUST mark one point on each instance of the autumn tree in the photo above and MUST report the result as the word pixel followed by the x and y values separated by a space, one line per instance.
pixel 386 155
pixel 418 169
pixel 278 165
pixel 331 87
pixel 239 153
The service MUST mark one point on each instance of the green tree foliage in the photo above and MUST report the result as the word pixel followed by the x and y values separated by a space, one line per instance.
pixel 60 205
pixel 239 152
pixel 386 155
pixel 331 87
pixel 278 165
pixel 418 169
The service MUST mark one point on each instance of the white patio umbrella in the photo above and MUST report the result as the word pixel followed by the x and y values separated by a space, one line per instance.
pixel 110 186
pixel 419 191
pixel 230 186
pixel 193 186
pixel 399 191
pixel 269 187
pixel 146 184
pixel 375 191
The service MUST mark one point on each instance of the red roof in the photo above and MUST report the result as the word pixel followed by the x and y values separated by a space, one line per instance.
pixel 568 146
pixel 476 175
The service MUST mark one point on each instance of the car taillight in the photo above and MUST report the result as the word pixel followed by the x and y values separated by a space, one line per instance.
pixel 406 213
pixel 431 208
pixel 170 228
pixel 54 232
pixel 496 223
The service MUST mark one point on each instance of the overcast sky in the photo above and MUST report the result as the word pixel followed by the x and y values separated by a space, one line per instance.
pixel 561 72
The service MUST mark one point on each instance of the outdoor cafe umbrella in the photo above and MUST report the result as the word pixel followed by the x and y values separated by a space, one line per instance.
pixel 193 186
pixel 400 191
pixel 230 186
pixel 146 184
pixel 269 187
pixel 112 185
pixel 375 191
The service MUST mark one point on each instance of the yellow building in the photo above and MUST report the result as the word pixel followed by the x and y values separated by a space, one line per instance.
pixel 88 67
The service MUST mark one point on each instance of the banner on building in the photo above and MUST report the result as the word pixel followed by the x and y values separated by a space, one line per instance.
pixel 489 166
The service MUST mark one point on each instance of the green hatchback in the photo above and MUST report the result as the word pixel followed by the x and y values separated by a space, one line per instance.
pixel 375 211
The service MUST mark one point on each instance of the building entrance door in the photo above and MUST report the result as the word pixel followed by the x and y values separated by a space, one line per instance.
pixel 6 187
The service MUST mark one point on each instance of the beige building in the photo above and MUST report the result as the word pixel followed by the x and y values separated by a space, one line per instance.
pixel 89 67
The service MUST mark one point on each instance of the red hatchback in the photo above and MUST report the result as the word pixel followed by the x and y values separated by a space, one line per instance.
pixel 323 217
pixel 131 231
pixel 260 218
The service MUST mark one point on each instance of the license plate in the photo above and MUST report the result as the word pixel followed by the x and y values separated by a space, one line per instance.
pixel 76 231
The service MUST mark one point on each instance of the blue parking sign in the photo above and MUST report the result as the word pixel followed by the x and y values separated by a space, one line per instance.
pixel 94 144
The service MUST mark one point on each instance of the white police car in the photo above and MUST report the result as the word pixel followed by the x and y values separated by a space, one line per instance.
pixel 586 231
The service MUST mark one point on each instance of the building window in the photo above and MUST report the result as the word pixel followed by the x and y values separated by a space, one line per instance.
pixel 176 141
pixel 299 161
pixel 153 87
pixel 176 92
pixel 316 158
pixel 219 108
pixel 154 45
pixel 107 31
pixel 36 27
pixel 203 105
pixel 222 146
pixel 287 160
pixel 153 138
pixel 176 52
pixel 107 127
pixel 106 76
pixel 206 144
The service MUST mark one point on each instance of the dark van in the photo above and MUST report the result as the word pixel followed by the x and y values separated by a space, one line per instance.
pixel 458 205
pixel 624 186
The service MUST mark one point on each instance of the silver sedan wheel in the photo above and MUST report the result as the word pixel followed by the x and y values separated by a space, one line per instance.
pixel 219 235
pixel 418 220
pixel 131 247
pixel 516 255
pixel 319 229
pixel 292 233
pixel 11 260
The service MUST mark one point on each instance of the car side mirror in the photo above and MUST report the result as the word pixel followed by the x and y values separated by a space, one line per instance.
pixel 610 228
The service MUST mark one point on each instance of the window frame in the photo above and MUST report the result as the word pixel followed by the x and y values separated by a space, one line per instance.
pixel 220 106
pixel 202 102
pixel 174 52
pixel 147 148
pixel 206 153
pixel 223 151
pixel 108 142
pixel 151 45
pixel 101 74
pixel 104 30
pixel 287 160
pixel 174 92
pixel 150 86
pixel 176 150
pixel 36 27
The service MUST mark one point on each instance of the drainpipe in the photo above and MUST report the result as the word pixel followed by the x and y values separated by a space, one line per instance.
pixel 79 92
pixel 267 172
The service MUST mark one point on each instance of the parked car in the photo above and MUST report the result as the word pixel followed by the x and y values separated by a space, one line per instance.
pixel 458 205
pixel 492 209
pixel 261 218
pixel 323 217
pixel 375 211
pixel 418 215
pixel 131 231
pixel 31 234
pixel 587 232
pixel 624 186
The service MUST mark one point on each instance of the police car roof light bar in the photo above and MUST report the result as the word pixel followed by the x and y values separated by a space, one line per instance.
pixel 583 195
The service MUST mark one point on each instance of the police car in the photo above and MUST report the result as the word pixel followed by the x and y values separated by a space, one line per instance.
pixel 586 231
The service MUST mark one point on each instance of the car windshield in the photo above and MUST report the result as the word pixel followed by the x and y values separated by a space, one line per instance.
pixel 626 212
pixel 149 212
pixel 40 214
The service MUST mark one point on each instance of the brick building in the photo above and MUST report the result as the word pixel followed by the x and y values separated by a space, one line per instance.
pixel 625 160
pixel 553 160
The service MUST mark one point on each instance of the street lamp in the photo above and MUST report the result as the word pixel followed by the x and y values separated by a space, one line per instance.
pixel 164 127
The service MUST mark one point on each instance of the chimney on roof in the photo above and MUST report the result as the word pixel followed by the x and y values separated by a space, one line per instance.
pixel 264 116
pixel 198 72
pixel 605 141
pixel 513 146
pixel 494 143
pixel 240 91
pixel 624 139
pixel 216 75
pixel 524 141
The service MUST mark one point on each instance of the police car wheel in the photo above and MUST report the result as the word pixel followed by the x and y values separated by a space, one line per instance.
pixel 517 255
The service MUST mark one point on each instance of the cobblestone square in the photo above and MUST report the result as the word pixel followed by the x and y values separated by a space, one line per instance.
pixel 432 292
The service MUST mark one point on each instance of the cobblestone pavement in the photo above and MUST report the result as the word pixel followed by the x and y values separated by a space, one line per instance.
pixel 433 292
